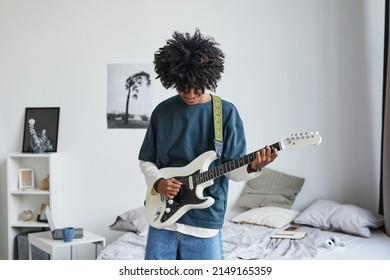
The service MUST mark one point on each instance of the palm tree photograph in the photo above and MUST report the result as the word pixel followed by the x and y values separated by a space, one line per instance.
pixel 129 95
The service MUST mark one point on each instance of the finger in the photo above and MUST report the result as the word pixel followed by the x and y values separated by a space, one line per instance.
pixel 170 194
pixel 262 154
pixel 174 180
pixel 174 187
pixel 175 184
pixel 258 163
pixel 258 156
pixel 275 153
pixel 173 193
pixel 269 154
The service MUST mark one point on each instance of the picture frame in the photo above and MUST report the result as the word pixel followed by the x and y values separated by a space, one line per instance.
pixel 26 179
pixel 41 129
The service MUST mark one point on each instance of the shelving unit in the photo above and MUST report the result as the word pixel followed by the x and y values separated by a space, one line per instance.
pixel 19 200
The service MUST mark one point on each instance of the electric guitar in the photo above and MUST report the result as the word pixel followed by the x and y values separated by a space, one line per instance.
pixel 195 177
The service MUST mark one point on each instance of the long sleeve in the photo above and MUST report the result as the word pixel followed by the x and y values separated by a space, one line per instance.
pixel 151 173
pixel 241 174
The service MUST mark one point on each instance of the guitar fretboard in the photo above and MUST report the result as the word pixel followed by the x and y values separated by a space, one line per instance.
pixel 228 166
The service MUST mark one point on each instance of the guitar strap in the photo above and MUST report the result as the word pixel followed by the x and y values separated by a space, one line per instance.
pixel 218 132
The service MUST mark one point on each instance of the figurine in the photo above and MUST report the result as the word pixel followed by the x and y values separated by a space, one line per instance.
pixel 45 183
pixel 40 143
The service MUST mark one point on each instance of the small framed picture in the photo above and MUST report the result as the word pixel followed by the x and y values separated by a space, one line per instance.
pixel 41 130
pixel 26 179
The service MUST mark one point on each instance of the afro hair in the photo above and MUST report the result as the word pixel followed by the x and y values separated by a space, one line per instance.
pixel 187 62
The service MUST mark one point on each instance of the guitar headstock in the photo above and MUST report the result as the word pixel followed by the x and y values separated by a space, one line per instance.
pixel 301 140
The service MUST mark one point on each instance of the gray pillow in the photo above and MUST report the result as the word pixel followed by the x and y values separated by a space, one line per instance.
pixel 333 216
pixel 271 188
pixel 133 220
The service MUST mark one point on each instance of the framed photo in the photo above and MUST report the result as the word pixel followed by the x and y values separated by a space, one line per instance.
pixel 26 179
pixel 41 130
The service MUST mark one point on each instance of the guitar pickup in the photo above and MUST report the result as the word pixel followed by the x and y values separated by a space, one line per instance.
pixel 190 183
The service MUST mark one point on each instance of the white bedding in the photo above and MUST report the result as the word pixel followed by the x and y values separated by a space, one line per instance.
pixel 376 247
pixel 244 241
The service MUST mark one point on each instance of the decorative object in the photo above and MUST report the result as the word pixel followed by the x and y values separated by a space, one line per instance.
pixel 41 130
pixel 41 214
pixel 26 179
pixel 44 185
pixel 26 215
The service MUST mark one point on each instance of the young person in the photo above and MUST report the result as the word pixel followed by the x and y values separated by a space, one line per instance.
pixel 182 128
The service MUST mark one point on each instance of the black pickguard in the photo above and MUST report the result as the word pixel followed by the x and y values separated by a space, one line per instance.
pixel 185 196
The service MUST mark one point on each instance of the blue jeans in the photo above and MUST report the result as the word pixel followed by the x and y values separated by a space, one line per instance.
pixel 171 245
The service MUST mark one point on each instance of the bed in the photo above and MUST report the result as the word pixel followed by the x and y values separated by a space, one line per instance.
pixel 131 246
pixel 333 230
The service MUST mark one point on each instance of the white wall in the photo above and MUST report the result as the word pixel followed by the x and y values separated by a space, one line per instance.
pixel 291 66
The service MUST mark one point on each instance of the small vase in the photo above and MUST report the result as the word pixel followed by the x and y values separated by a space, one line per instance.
pixel 44 185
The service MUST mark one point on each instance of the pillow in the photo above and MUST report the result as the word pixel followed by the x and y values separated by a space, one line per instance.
pixel 273 217
pixel 333 216
pixel 271 188
pixel 133 220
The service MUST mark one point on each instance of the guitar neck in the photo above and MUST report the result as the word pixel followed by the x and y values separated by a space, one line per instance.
pixel 229 166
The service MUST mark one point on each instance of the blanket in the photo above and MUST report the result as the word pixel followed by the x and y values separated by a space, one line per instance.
pixel 245 241
pixel 241 241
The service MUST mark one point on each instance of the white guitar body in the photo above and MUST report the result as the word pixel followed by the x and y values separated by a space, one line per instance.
pixel 157 205
pixel 196 176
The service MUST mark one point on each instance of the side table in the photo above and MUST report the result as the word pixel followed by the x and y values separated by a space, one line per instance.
pixel 44 241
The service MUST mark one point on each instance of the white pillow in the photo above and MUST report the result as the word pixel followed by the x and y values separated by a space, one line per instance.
pixel 333 216
pixel 274 217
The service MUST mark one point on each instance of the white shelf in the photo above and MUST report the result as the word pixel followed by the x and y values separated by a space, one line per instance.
pixel 30 192
pixel 31 155
pixel 30 225
pixel 19 200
